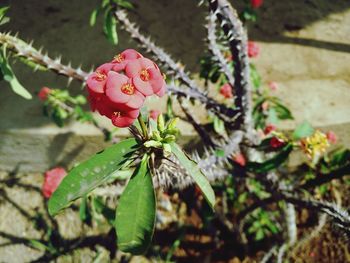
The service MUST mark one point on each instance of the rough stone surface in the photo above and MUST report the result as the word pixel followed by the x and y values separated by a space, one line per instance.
pixel 305 48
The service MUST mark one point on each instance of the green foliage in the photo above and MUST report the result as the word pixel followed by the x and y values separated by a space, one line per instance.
pixel 9 76
pixel 109 21
pixel 90 174
pixel 262 224
pixel 197 175
pixel 3 18
pixel 303 130
pixel 270 164
pixel 136 211
pixel 110 26
pixel 60 106
pixel 276 111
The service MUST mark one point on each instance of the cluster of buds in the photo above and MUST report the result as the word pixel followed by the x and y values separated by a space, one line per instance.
pixel 118 89
pixel 162 134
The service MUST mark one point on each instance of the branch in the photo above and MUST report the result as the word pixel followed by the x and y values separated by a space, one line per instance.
pixel 216 52
pixel 237 38
pixel 325 178
pixel 23 49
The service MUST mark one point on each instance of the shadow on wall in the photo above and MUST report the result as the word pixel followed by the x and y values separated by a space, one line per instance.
pixel 62 27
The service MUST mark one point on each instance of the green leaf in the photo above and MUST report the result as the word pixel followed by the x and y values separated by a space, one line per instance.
pixel 84 211
pixel 136 212
pixel 104 210
pixel 272 163
pixel 282 111
pixel 110 27
pixel 90 174
pixel 10 77
pixel 93 16
pixel 219 125
pixel 303 130
pixel 197 175
pixel 4 19
pixel 272 116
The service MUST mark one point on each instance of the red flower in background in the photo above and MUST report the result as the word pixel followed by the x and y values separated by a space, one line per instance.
pixel 118 89
pixel 226 91
pixel 44 93
pixel 253 49
pixel 52 180
pixel 239 159
pixel 276 142
pixel 269 128
pixel 273 86
pixel 256 3
pixel 331 137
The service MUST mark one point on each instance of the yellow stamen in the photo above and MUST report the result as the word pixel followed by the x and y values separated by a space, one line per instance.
pixel 100 76
pixel 144 75
pixel 128 89
pixel 118 58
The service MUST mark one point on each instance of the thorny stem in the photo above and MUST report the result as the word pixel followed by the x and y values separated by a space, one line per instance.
pixel 237 38
pixel 22 49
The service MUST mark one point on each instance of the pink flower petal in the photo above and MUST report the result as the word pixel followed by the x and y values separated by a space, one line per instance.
pixel 133 113
pixel 156 79
pixel 147 63
pixel 144 87
pixel 133 68
pixel 95 83
pixel 131 54
pixel 136 101
pixel 122 121
pixel 105 68
pixel 113 88
pixel 162 91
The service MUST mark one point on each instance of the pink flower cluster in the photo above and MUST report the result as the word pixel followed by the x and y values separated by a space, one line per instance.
pixel 118 89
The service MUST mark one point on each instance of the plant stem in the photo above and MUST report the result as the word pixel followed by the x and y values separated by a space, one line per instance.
pixel 143 126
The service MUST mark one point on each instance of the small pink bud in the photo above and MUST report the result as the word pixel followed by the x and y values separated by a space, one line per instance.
pixel 276 142
pixel 265 106
pixel 52 180
pixel 331 137
pixel 253 49
pixel 273 85
pixel 226 91
pixel 153 114
pixel 239 159
pixel 269 128
pixel 44 93
pixel 256 3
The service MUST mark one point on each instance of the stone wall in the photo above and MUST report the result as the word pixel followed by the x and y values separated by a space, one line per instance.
pixel 305 48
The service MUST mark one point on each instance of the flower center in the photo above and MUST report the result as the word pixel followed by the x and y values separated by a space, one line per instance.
pixel 128 89
pixel 100 76
pixel 118 58
pixel 116 114
pixel 144 75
